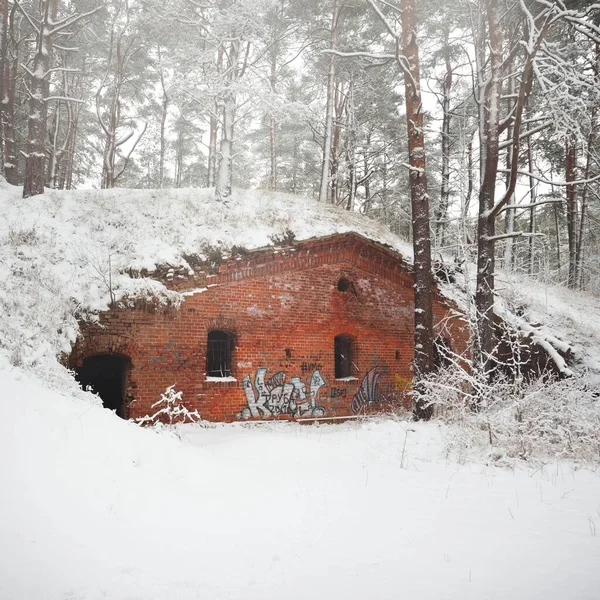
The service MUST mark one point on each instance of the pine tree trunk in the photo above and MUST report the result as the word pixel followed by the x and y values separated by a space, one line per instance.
pixel 442 211
pixel 66 177
pixel 38 108
pixel 510 212
pixel 570 166
pixel 533 198
pixel 335 143
pixel 295 165
pixel 225 158
pixel 179 160
pixel 272 154
pixel 212 151
pixel 8 75
pixel 273 129
pixel 423 357
pixel 163 121
pixel 224 176
pixel 584 203
pixel 55 150
pixel 214 132
pixel 327 141
pixel 484 294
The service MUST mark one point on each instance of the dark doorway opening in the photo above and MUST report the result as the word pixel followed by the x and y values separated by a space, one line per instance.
pixel 106 374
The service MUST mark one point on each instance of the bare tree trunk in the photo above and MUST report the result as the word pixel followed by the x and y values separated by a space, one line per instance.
pixel 179 159
pixel 224 176
pixel 214 131
pixel 225 158
pixel 7 97
pixel 570 167
pixel 339 105
pixel 212 150
pixel 533 198
pixel 469 193
pixel 295 165
pixel 327 141
pixel 423 358
pixel 585 202
pixel 484 295
pixel 38 107
pixel 510 212
pixel 273 129
pixel 122 47
pixel 163 121
pixel 366 180
pixel 66 170
pixel 442 211
pixel 272 154
pixel 7 110
pixel 55 149
pixel 350 147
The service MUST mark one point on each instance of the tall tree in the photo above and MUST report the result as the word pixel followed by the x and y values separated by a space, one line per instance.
pixel 423 361
pixel 407 57
pixel 46 27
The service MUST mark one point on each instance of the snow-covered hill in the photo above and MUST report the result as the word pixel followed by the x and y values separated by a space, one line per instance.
pixel 64 255
pixel 94 507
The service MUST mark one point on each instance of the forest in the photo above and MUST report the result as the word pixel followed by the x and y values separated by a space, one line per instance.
pixel 150 145
pixel 469 126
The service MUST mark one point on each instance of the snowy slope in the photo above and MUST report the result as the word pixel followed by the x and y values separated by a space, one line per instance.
pixel 96 508
pixel 63 254
pixel 556 311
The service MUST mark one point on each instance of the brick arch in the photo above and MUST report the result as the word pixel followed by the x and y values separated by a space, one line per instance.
pixel 99 343
pixel 221 324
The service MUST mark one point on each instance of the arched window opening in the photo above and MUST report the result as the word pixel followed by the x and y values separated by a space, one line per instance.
pixel 106 375
pixel 344 356
pixel 219 348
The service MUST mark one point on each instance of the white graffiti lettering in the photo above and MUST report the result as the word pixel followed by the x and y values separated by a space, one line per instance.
pixel 273 397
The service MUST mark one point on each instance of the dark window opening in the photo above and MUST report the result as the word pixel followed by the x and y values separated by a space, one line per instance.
pixel 106 375
pixel 343 284
pixel 343 356
pixel 218 354
pixel 288 353
pixel 441 353
pixel 397 354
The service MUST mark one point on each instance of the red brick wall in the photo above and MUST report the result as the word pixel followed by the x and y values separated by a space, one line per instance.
pixel 284 311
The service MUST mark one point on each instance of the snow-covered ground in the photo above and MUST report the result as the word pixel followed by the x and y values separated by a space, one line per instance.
pixel 93 507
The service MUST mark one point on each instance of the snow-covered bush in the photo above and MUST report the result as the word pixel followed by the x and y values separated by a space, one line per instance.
pixel 515 417
pixel 170 411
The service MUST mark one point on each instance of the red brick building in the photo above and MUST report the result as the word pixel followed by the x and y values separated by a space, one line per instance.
pixel 319 329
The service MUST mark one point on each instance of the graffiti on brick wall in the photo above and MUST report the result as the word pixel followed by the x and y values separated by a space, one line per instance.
pixel 275 396
pixel 374 391
pixel 368 392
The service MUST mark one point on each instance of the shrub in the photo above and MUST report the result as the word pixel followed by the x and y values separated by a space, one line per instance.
pixel 517 418
pixel 170 411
